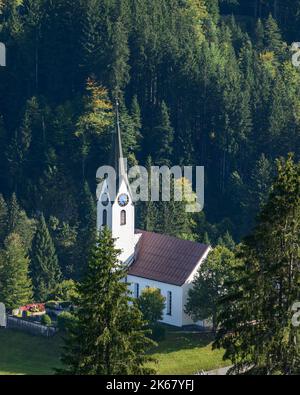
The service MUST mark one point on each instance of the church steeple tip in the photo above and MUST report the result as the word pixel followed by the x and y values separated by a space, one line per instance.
pixel 119 148
pixel 119 160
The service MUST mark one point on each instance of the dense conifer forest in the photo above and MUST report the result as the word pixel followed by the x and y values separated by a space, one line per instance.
pixel 201 82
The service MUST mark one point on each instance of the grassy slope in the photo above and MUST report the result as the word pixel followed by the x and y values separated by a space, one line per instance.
pixel 187 354
pixel 178 354
pixel 25 354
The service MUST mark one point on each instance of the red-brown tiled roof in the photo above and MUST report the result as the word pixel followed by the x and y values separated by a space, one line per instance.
pixel 166 259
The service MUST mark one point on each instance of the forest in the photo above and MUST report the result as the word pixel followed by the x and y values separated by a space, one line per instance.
pixel 201 82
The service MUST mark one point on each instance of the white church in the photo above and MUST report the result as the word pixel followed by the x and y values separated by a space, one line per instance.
pixel 153 260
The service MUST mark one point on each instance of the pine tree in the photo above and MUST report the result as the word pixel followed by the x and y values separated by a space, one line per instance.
pixel 119 75
pixel 136 113
pixel 172 218
pixel 228 242
pixel 91 40
pixel 163 135
pixel 273 37
pixel 87 232
pixel 68 247
pixel 255 321
pixel 19 223
pixel 45 269
pixel 19 148
pixel 213 8
pixel 3 219
pixel 3 140
pixel 260 185
pixel 259 35
pixel 109 337
pixel 131 132
pixel 148 212
pixel 32 19
pixel 206 239
pixel 15 284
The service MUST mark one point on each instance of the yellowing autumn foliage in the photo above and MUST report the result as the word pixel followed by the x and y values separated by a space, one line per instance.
pixel 99 112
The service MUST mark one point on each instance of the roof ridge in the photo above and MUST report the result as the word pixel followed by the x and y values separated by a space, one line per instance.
pixel 172 237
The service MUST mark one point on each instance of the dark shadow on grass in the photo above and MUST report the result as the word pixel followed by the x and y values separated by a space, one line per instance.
pixel 25 354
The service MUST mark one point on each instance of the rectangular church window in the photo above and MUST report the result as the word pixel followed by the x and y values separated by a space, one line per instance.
pixel 123 217
pixel 104 222
pixel 137 290
pixel 169 303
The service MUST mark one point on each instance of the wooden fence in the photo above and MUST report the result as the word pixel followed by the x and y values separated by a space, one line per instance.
pixel 30 327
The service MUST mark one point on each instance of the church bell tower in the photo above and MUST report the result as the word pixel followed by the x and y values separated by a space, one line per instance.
pixel 118 212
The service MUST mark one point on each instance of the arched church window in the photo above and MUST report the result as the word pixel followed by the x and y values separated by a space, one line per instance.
pixel 123 217
pixel 104 222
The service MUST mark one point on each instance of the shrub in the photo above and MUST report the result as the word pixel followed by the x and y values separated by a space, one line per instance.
pixel 158 332
pixel 152 304
pixel 46 320
pixel 66 290
pixel 65 321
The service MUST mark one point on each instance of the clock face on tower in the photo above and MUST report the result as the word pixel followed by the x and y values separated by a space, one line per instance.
pixel 123 200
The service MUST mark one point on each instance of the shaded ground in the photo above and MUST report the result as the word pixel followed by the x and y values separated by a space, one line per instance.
pixel 21 353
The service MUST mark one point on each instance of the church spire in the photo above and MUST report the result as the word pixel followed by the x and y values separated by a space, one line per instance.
pixel 119 160
pixel 119 216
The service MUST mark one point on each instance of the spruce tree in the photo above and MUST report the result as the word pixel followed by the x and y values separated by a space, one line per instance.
pixel 259 35
pixel 91 40
pixel 256 312
pixel 45 269
pixel 148 211
pixel 109 336
pixel 206 239
pixel 228 242
pixel 163 135
pixel 3 219
pixel 87 230
pixel 18 222
pixel 259 186
pixel 131 134
pixel 69 245
pixel 15 284
pixel 273 37
pixel 119 75
pixel 172 218
pixel 136 113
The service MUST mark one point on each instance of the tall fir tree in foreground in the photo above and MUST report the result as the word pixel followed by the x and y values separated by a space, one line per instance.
pixel 45 269
pixel 109 336
pixel 87 232
pixel 256 313
pixel 15 284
